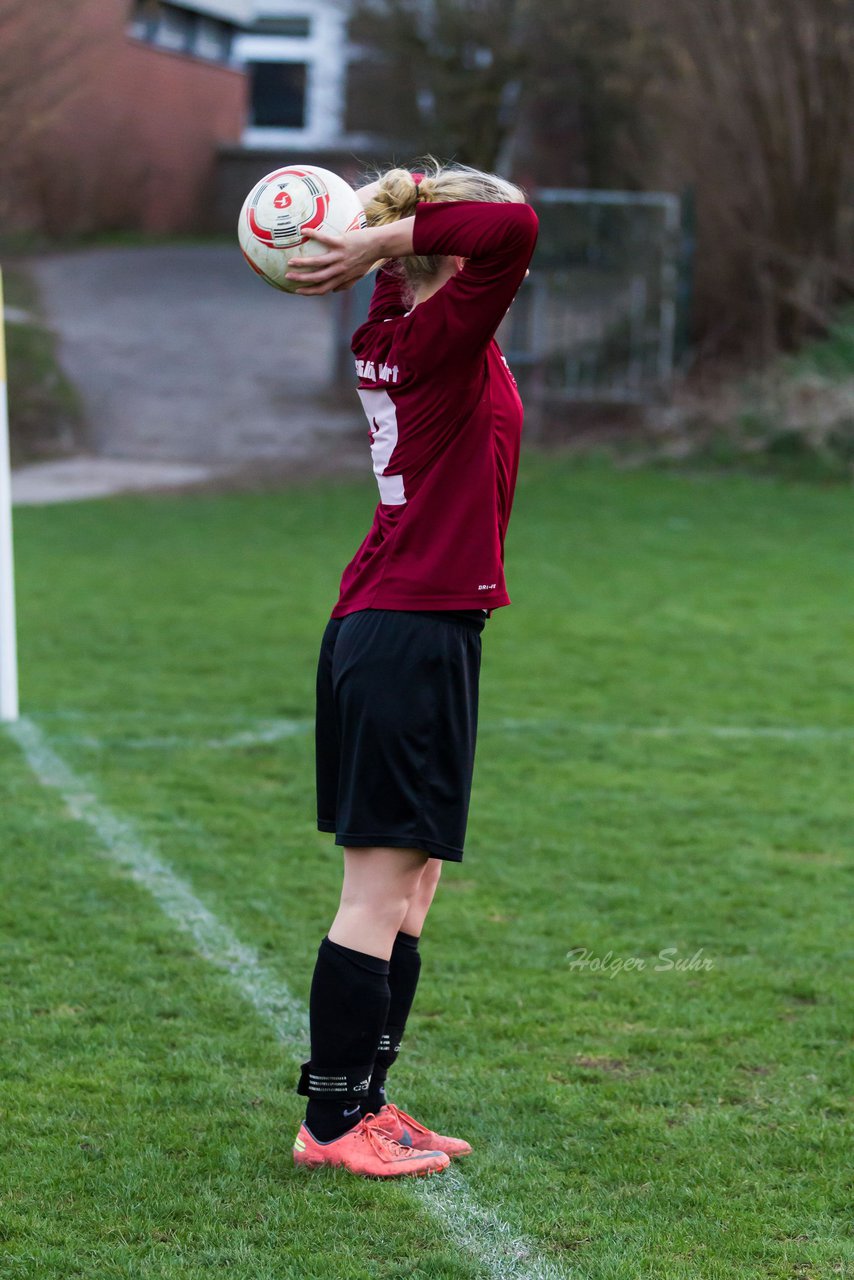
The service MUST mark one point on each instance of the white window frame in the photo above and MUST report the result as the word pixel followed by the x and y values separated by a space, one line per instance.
pixel 324 54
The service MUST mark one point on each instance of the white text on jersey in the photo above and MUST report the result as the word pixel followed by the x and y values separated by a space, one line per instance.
pixel 368 370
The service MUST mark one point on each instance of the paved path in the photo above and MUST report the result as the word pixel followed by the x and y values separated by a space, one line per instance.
pixel 181 354
pixel 75 479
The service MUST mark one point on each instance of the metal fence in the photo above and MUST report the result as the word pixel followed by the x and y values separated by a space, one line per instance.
pixel 597 318
pixel 600 316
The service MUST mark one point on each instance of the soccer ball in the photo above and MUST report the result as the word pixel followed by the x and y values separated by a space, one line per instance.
pixel 281 206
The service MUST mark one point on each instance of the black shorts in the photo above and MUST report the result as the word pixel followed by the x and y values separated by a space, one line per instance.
pixel 396 728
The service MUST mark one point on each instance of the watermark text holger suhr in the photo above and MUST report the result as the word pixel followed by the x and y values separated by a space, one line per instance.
pixel 668 960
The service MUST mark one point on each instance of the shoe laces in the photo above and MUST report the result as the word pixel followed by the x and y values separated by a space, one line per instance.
pixel 407 1121
pixel 382 1141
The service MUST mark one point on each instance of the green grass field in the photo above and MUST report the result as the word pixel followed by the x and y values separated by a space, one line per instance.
pixel 665 762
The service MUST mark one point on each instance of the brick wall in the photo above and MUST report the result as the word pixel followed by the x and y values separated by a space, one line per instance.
pixel 118 133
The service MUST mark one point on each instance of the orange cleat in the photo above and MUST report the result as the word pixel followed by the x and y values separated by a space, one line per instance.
pixel 367 1150
pixel 409 1133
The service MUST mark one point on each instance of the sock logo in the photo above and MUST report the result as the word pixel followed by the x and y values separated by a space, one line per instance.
pixel 354 1112
pixel 387 1046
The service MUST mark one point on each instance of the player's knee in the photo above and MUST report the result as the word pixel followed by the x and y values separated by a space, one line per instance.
pixel 359 896
pixel 381 882
pixel 427 883
pixel 381 902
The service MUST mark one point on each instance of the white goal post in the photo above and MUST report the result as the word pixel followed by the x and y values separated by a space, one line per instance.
pixel 8 645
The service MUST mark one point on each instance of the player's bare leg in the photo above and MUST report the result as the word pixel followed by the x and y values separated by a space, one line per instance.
pixel 404 970
pixel 422 898
pixel 349 1006
pixel 380 885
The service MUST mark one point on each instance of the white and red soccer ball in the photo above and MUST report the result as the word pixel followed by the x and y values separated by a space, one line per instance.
pixel 279 209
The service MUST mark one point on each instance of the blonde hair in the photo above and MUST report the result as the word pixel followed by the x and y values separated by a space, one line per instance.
pixel 398 194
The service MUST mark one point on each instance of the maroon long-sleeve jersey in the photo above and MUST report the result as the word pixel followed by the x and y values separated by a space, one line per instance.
pixel 445 419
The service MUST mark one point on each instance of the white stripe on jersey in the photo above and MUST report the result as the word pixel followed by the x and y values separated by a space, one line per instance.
pixel 382 416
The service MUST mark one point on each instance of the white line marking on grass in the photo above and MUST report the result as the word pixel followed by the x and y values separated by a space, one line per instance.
pixel 480 1231
pixel 267 732
pixel 262 733
pixel 214 941
pixel 271 731
pixel 503 1255
pixel 785 733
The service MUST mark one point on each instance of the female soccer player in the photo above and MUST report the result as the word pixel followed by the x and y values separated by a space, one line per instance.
pixel 397 682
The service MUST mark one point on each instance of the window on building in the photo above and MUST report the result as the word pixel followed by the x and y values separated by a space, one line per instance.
pixel 278 94
pixel 212 40
pixel 144 19
pixel 175 30
pixel 284 25
pixel 181 30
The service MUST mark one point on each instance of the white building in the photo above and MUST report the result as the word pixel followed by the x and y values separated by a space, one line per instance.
pixel 295 53
pixel 300 72
pixel 296 57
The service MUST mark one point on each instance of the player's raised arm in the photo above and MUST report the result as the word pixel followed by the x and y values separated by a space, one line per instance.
pixel 348 257
pixel 496 241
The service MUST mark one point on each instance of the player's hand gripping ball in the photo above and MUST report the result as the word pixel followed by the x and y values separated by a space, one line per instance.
pixel 281 207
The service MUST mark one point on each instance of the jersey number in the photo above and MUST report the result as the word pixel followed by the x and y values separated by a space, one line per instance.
pixel 382 416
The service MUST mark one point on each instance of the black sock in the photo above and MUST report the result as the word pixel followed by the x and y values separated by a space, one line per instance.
pixel 348 1007
pixel 376 1095
pixel 403 974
